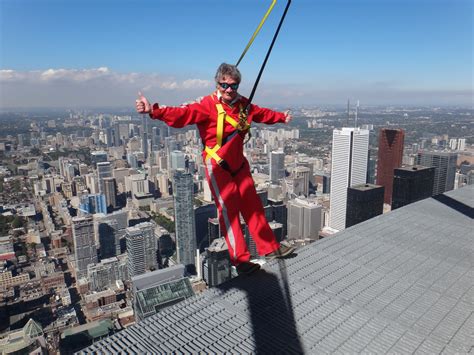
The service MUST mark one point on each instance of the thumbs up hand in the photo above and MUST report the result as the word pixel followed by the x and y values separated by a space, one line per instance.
pixel 142 104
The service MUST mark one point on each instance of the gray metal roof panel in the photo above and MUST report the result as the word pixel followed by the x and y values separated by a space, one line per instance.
pixel 402 282
pixel 464 195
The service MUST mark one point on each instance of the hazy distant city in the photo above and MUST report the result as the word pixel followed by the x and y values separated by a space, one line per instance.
pixel 106 216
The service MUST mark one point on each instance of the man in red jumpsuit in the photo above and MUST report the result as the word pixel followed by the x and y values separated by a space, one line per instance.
pixel 222 125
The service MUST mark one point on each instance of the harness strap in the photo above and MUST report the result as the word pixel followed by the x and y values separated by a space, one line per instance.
pixel 220 124
pixel 222 117
pixel 212 153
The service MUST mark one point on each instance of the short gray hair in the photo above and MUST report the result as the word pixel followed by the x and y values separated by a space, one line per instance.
pixel 228 70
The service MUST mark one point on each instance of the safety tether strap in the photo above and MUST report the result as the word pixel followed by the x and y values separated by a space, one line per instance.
pixel 222 116
pixel 256 31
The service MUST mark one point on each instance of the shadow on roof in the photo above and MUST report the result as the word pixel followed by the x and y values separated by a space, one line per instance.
pixel 270 310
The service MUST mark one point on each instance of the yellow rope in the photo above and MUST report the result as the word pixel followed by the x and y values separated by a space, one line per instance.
pixel 257 31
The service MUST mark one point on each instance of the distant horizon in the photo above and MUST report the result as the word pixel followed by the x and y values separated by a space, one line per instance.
pixel 343 107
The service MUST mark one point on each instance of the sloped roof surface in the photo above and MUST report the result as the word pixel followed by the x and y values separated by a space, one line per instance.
pixel 402 282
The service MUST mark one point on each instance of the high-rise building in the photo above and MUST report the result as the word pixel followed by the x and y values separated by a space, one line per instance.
pixel 177 160
pixel 110 192
pixel 363 202
pixel 277 166
pixel 445 169
pixel 411 184
pixel 92 183
pixel 184 219
pixel 117 219
pixel 142 248
pixel 70 170
pixel 213 229
pixel 304 173
pixel 136 184
pixel 116 134
pixel 348 168
pixel 109 136
pixel 83 169
pixel 85 251
pixel 217 267
pixel 155 136
pixel 202 214
pixel 390 157
pixel 470 177
pixel 304 219
pixel 279 214
pixel 93 203
pixel 21 140
pixel 98 157
pixel 106 273
pixel 104 170
pixel 132 160
pixel 453 143
pixel 324 182
pixel 277 229
pixel 295 185
pixel 109 239
pixel 144 136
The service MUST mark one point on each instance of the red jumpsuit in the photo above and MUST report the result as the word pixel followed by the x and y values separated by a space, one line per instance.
pixel 232 187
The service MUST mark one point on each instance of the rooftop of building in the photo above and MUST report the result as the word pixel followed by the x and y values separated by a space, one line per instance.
pixel 402 282
pixel 17 340
pixel 217 245
pixel 365 187
pixel 95 329
pixel 149 279
pixel 413 168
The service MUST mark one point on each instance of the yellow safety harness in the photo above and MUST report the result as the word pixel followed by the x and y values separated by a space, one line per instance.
pixel 222 116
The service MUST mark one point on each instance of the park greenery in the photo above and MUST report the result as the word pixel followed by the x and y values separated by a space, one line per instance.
pixel 163 221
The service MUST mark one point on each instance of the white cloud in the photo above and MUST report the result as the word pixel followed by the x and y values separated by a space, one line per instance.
pixel 169 85
pixel 101 87
pixel 196 84
pixel 10 75
pixel 93 86
pixel 102 73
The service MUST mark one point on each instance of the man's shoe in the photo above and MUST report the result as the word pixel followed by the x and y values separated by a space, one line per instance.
pixel 281 252
pixel 247 268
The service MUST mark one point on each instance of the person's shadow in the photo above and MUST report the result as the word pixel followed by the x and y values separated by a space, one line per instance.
pixel 270 310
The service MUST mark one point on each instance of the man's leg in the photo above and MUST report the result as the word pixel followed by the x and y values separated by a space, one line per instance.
pixel 252 210
pixel 226 196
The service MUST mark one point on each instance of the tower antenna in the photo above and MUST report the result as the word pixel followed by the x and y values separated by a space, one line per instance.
pixel 348 112
pixel 356 114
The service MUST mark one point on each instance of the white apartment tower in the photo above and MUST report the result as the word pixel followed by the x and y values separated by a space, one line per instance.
pixel 304 219
pixel 142 246
pixel 349 167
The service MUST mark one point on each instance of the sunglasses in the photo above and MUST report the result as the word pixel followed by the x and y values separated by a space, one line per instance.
pixel 225 86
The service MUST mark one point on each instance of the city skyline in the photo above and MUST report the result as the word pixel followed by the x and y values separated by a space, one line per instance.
pixel 93 54
pixel 73 271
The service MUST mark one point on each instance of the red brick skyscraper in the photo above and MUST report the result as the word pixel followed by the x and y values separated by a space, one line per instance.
pixel 389 158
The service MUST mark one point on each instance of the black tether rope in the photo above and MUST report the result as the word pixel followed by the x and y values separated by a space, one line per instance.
pixel 267 56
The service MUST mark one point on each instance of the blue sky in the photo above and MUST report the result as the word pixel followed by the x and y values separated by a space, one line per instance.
pixel 100 53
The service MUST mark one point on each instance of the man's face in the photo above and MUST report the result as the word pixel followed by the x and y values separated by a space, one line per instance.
pixel 228 86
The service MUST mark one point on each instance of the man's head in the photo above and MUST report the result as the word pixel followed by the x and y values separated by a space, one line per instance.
pixel 227 81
